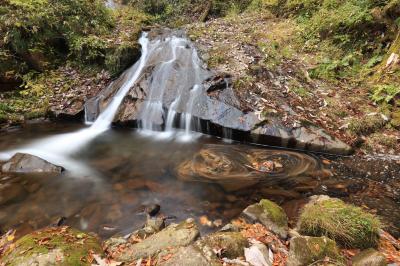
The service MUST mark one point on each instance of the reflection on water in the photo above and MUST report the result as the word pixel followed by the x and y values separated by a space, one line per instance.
pixel 188 179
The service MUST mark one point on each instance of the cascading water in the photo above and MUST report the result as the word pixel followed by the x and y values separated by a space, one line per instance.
pixel 57 149
pixel 173 76
pixel 175 80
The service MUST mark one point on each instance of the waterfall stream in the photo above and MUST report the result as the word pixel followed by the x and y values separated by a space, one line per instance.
pixel 168 59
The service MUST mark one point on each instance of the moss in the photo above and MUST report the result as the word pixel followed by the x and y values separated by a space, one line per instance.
pixel 395 122
pixel 348 225
pixel 232 243
pixel 308 250
pixel 366 125
pixel 76 247
pixel 275 212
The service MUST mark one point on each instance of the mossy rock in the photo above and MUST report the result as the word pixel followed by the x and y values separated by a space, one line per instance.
pixel 306 250
pixel 54 246
pixel 269 214
pixel 369 257
pixel 348 225
pixel 232 243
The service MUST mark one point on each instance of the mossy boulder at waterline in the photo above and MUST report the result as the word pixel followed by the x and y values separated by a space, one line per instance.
pixel 369 257
pixel 305 250
pixel 54 246
pixel 269 214
pixel 348 225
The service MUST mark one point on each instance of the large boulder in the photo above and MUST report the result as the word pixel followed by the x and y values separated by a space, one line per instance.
pixel 306 250
pixel 26 163
pixel 175 235
pixel 369 257
pixel 348 225
pixel 175 78
pixel 53 246
pixel 270 215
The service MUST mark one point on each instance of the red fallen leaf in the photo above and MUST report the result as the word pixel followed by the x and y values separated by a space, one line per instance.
pixel 44 241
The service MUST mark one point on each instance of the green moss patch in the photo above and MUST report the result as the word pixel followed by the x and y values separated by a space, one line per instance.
pixel 54 246
pixel 348 225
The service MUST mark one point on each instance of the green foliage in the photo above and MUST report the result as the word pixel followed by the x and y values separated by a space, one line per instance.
pixel 39 33
pixel 366 125
pixel 385 93
pixel 348 225
pixel 335 68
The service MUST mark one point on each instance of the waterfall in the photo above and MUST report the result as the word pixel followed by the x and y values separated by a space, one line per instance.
pixel 178 79
pixel 173 73
pixel 57 149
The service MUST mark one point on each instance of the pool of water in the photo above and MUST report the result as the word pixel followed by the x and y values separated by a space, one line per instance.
pixel 126 170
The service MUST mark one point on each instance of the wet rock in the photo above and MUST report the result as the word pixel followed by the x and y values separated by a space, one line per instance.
pixel 231 243
pixel 369 257
pixel 191 255
pixel 269 214
pixel 215 103
pixel 175 235
pixel 54 246
pixel 152 209
pixel 305 250
pixel 11 193
pixel 26 163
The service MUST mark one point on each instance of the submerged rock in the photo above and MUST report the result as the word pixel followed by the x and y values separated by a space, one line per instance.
pixel 305 250
pixel 26 163
pixel 369 257
pixel 53 246
pixel 269 214
pixel 175 235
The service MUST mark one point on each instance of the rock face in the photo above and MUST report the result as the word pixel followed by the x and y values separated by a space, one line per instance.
pixel 53 246
pixel 269 214
pixel 305 250
pixel 369 257
pixel 26 163
pixel 175 235
pixel 182 84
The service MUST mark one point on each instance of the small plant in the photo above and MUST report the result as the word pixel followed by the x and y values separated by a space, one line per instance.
pixel 385 93
pixel 348 225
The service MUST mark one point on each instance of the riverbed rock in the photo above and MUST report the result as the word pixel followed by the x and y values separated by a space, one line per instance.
pixel 11 192
pixel 192 255
pixel 26 163
pixel 369 257
pixel 305 250
pixel 175 235
pixel 259 255
pixel 232 243
pixel 54 246
pixel 269 214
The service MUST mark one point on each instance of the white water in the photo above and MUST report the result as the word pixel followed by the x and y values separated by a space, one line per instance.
pixel 57 149
pixel 176 71
pixel 180 75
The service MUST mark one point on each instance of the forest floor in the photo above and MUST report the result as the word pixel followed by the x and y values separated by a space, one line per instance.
pixel 272 73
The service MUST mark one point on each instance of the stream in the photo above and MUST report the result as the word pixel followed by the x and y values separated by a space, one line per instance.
pixel 113 174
